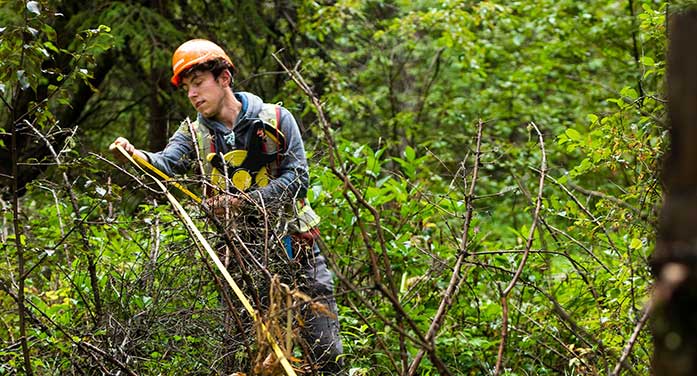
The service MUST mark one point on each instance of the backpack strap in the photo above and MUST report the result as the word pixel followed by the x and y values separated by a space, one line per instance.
pixel 271 114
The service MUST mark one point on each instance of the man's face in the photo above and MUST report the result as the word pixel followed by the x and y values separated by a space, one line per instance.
pixel 205 92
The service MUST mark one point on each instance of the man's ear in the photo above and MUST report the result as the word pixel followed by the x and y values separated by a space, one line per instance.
pixel 225 78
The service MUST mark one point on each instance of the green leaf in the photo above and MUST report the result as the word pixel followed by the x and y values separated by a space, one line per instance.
pixel 409 153
pixel 648 61
pixel 573 134
pixel 51 47
pixel 635 244
pixel 629 92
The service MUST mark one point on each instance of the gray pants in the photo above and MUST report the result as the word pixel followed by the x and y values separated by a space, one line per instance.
pixel 321 332
pixel 321 342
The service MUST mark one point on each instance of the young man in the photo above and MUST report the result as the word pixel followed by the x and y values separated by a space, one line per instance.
pixel 255 156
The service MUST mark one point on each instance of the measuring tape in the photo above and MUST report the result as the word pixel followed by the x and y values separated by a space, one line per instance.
pixel 202 242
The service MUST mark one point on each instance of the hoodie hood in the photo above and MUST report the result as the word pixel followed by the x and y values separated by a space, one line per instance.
pixel 251 106
pixel 226 139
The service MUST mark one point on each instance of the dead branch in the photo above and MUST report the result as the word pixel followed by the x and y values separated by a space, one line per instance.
pixel 605 196
pixel 91 263
pixel 82 344
pixel 358 196
pixel 632 340
pixel 587 213
pixel 528 247
pixel 21 309
pixel 571 325
pixel 456 279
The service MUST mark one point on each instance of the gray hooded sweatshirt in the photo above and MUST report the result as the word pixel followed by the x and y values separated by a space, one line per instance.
pixel 289 176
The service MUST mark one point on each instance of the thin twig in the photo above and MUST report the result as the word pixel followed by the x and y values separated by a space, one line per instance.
pixel 528 247
pixel 571 325
pixel 605 196
pixel 18 228
pixel 455 278
pixel 632 340
pixel 83 344
pixel 587 212
pixel 337 170
pixel 91 264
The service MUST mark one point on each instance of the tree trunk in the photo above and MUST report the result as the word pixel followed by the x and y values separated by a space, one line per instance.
pixel 158 130
pixel 674 260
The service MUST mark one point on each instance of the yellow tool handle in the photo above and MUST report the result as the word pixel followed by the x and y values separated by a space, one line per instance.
pixel 144 163
pixel 235 288
pixel 139 162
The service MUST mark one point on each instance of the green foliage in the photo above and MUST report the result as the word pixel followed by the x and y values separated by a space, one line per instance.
pixel 572 69
pixel 404 85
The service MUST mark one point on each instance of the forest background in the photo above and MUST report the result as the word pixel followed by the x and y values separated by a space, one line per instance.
pixel 487 172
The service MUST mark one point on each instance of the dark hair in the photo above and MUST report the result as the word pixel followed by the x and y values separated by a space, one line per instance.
pixel 215 66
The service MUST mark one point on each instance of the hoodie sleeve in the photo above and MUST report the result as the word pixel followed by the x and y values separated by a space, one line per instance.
pixel 176 157
pixel 292 181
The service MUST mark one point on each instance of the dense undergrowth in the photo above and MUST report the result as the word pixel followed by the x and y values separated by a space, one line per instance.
pixel 535 265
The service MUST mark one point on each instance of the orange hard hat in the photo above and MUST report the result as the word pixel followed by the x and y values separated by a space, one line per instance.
pixel 195 51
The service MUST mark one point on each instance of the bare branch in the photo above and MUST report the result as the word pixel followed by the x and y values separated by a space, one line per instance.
pixel 632 340
pixel 456 279
pixel 528 247
pixel 91 263
pixel 337 169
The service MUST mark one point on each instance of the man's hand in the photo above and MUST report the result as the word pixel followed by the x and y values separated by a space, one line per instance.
pixel 127 146
pixel 223 203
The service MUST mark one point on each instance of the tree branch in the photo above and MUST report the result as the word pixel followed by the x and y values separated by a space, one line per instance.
pixel 528 247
